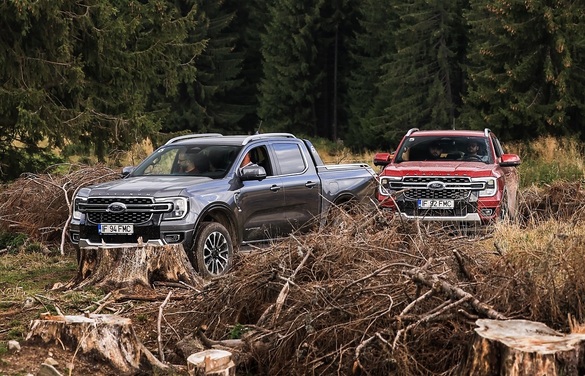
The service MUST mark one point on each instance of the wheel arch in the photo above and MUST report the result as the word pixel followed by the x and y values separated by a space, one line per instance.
pixel 344 198
pixel 221 214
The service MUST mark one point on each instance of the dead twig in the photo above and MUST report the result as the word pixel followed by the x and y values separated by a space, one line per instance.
pixel 432 280
pixel 428 318
pixel 277 306
pixel 103 303
pixel 158 326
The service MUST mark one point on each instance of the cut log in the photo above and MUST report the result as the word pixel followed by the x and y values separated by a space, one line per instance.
pixel 131 265
pixel 211 362
pixel 524 348
pixel 107 337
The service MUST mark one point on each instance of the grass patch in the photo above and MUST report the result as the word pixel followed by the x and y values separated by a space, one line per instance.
pixel 548 258
pixel 26 273
pixel 547 160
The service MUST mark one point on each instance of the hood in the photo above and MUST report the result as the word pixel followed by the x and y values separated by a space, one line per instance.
pixel 450 168
pixel 154 186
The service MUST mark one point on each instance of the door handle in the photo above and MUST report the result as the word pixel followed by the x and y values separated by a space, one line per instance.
pixel 275 188
pixel 310 184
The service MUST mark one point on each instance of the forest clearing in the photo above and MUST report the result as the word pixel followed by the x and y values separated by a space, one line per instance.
pixel 356 297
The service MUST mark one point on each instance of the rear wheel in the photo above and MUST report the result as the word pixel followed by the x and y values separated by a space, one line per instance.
pixel 212 252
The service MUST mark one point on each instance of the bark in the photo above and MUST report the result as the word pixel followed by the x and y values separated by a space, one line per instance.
pixel 107 337
pixel 524 348
pixel 133 265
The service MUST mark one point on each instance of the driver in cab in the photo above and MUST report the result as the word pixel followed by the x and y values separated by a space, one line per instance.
pixel 472 153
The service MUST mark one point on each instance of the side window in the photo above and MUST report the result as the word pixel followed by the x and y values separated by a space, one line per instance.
pixel 259 156
pixel 289 158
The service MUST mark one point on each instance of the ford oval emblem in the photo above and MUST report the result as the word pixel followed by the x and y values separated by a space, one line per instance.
pixel 436 186
pixel 117 207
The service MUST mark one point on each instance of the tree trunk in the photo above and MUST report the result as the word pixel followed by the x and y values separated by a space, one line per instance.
pixel 108 337
pixel 524 348
pixel 211 363
pixel 134 265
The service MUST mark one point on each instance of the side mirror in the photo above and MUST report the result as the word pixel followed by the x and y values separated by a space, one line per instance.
pixel 510 160
pixel 382 159
pixel 252 172
pixel 127 171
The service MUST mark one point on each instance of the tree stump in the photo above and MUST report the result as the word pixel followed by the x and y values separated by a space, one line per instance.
pixel 213 362
pixel 107 337
pixel 521 347
pixel 115 267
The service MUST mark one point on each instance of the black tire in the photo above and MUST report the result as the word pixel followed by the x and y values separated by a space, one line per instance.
pixel 212 251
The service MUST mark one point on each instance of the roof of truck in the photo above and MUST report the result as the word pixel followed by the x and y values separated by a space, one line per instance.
pixel 448 132
pixel 213 138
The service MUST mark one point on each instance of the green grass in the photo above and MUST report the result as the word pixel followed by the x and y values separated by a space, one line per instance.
pixel 534 172
pixel 547 160
pixel 26 273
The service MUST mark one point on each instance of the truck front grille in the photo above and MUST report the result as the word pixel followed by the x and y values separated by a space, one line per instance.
pixel 135 218
pixel 454 194
pixel 420 187
pixel 136 210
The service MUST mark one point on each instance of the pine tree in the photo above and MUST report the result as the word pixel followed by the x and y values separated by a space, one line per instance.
pixel 249 24
pixel 290 87
pixel 525 71
pixel 81 72
pixel 206 103
pixel 371 48
pixel 421 85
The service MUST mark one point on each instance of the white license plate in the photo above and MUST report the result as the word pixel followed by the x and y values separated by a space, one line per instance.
pixel 113 229
pixel 436 204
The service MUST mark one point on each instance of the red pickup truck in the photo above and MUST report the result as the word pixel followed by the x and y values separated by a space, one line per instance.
pixel 449 175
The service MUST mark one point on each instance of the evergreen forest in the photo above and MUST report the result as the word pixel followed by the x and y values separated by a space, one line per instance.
pixel 95 76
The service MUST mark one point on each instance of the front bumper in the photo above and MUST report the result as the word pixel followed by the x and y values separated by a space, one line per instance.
pixel 481 211
pixel 86 235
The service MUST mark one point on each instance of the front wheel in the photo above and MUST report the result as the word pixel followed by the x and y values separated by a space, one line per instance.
pixel 212 252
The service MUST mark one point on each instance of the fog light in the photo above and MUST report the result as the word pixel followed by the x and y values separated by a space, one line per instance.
pixel 487 212
pixel 172 238
pixel 75 237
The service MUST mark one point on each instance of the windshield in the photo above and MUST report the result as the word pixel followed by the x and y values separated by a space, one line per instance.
pixel 458 148
pixel 212 161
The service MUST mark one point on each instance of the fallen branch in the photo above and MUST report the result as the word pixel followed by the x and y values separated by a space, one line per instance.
pixel 427 319
pixel 209 343
pixel 277 306
pixel 158 326
pixel 432 280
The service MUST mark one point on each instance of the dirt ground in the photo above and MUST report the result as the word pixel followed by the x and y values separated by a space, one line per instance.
pixel 343 300
pixel 144 315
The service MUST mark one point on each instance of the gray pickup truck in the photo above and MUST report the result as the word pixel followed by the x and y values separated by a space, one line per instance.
pixel 215 193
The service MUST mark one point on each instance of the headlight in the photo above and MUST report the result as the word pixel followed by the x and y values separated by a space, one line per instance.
pixel 76 201
pixel 491 186
pixel 385 186
pixel 180 207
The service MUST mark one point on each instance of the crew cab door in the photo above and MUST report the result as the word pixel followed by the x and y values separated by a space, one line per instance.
pixel 261 202
pixel 302 185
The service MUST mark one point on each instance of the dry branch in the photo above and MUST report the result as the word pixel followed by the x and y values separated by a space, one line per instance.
pixel 36 202
pixel 159 326
pixel 433 281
